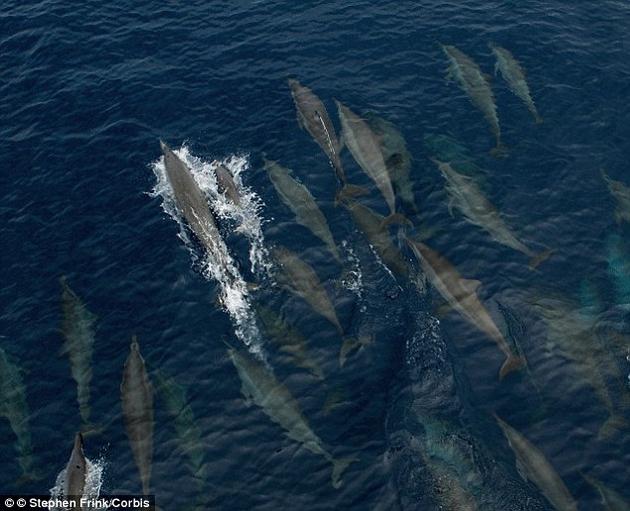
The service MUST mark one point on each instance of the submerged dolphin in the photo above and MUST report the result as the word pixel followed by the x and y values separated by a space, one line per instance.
pixel 193 205
pixel 299 200
pixel 76 473
pixel 612 500
pixel 474 83
pixel 621 193
pixel 313 117
pixel 260 385
pixel 514 75
pixel 461 294
pixel 137 405
pixel 77 328
pixel 534 466
pixel 14 408
pixel 465 195
pixel 226 184
pixel 366 150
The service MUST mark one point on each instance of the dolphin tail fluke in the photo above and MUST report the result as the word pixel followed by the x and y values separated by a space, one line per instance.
pixel 512 363
pixel 396 219
pixel 500 150
pixel 348 192
pixel 613 424
pixel 539 258
pixel 91 429
pixel 349 345
pixel 29 478
pixel 338 467
pixel 537 118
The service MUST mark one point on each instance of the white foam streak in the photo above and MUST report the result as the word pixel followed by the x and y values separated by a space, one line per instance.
pixel 220 266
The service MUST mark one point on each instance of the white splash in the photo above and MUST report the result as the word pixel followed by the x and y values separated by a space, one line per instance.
pixel 352 279
pixel 93 481
pixel 234 291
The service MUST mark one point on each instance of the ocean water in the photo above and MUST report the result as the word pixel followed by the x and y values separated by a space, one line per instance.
pixel 86 92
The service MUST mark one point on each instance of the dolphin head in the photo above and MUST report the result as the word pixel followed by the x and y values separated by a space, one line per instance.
pixel 78 442
pixel 164 147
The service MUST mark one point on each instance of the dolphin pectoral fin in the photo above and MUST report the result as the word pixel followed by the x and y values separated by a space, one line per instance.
pixel 451 206
pixel 522 471
pixel 450 74
pixel 339 466
pixel 342 142
pixel 472 285
pixel 396 219
pixel 499 151
pixel 613 424
pixel 539 258
pixel 247 395
pixel 496 68
pixel 512 363
pixel 350 191
pixel 350 344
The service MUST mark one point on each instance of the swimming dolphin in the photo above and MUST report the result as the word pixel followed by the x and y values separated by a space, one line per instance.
pixel 193 205
pixel 534 466
pixel 474 83
pixel 612 500
pixel 14 408
pixel 514 75
pixel 299 200
pixel 76 473
pixel 260 386
pixel 77 328
pixel 465 195
pixel 366 150
pixel 621 193
pixel 461 294
pixel 313 117
pixel 226 184
pixel 137 405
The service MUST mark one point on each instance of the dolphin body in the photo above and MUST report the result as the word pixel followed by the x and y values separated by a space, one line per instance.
pixel 461 294
pixel 612 500
pixel 14 408
pixel 260 386
pixel 226 183
pixel 514 75
pixel 621 193
pixel 313 117
pixel 194 206
pixel 299 200
pixel 290 340
pixel 137 405
pixel 77 328
pixel 474 83
pixel 465 195
pixel 76 473
pixel 366 150
pixel 534 466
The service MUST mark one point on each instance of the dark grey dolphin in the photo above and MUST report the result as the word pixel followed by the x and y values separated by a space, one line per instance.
pixel 226 183
pixel 137 404
pixel 76 472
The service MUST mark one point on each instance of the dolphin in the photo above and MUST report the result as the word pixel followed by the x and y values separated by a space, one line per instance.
pixel 621 193
pixel 260 386
pixel 461 294
pixel 373 227
pixel 300 279
pixel 226 183
pixel 137 405
pixel 514 75
pixel 14 408
pixel 474 83
pixel 465 195
pixel 366 150
pixel 534 466
pixel 76 473
pixel 612 500
pixel 77 328
pixel 290 340
pixel 299 200
pixel 193 205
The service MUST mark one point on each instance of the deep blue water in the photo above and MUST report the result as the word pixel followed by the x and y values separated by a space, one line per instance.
pixel 86 91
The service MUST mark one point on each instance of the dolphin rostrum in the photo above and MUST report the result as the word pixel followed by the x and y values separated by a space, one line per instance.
pixel 137 405
pixel 514 75
pixel 226 184
pixel 461 294
pixel 465 195
pixel 260 386
pixel 534 466
pixel 76 473
pixel 621 193
pixel 299 200
pixel 366 150
pixel 474 83
pixel 77 328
